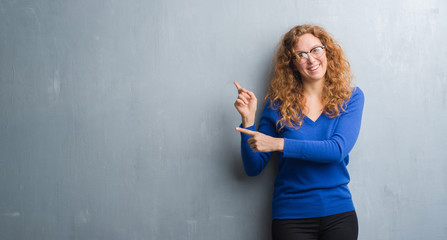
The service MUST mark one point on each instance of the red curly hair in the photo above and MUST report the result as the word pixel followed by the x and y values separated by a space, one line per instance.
pixel 286 86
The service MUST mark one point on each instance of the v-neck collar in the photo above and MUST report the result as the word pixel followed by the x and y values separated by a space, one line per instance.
pixel 312 121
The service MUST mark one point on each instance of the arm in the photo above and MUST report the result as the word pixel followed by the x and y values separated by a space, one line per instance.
pixel 339 145
pixel 254 162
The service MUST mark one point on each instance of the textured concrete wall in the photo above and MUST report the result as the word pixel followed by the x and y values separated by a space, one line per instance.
pixel 117 117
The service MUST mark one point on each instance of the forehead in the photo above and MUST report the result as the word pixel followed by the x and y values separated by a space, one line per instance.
pixel 306 42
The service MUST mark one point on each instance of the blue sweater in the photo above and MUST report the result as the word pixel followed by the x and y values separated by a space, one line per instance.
pixel 312 179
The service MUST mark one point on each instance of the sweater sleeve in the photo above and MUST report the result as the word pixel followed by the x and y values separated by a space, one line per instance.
pixel 340 143
pixel 255 162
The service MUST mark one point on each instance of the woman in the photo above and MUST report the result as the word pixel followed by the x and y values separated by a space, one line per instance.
pixel 311 117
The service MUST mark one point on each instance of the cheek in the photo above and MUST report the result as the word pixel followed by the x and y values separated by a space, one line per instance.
pixel 297 67
pixel 324 63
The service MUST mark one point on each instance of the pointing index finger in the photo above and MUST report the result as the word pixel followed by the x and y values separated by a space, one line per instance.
pixel 237 85
pixel 246 131
pixel 240 88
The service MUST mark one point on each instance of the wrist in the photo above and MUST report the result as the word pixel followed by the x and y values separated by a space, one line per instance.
pixel 247 122
pixel 280 144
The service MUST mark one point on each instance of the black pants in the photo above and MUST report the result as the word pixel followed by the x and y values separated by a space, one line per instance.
pixel 343 226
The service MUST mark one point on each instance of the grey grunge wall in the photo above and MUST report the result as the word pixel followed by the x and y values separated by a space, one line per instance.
pixel 117 117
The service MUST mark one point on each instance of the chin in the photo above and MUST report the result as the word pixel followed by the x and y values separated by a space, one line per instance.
pixel 314 78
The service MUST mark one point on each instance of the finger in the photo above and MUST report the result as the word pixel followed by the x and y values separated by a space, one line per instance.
pixel 251 144
pixel 243 99
pixel 252 95
pixel 239 88
pixel 246 131
pixel 239 102
pixel 237 85
pixel 246 95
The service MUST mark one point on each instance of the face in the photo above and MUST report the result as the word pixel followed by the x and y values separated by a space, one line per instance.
pixel 313 69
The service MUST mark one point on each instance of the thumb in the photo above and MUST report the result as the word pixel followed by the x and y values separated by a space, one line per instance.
pixel 246 131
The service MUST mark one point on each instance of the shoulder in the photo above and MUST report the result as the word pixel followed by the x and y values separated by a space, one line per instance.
pixel 271 110
pixel 356 91
pixel 273 106
pixel 356 101
pixel 357 95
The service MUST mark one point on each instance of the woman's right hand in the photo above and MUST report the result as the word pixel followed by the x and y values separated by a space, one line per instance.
pixel 246 104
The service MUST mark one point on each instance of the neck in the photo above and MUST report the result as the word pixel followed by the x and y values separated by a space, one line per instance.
pixel 313 89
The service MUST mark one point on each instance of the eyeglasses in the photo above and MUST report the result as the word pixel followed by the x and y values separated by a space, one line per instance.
pixel 302 57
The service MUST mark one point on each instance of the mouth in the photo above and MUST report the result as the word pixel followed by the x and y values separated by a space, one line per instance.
pixel 314 68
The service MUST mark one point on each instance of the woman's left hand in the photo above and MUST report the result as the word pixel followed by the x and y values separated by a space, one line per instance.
pixel 260 142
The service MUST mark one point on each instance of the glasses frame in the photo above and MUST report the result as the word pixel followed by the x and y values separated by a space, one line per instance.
pixel 301 59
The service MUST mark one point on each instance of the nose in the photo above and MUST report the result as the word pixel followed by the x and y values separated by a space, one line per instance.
pixel 310 58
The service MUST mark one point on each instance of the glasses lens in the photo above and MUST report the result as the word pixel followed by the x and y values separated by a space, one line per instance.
pixel 317 52
pixel 302 57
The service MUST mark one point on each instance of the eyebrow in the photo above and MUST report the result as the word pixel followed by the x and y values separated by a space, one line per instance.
pixel 317 45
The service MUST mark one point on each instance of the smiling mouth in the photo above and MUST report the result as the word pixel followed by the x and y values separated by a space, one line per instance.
pixel 314 68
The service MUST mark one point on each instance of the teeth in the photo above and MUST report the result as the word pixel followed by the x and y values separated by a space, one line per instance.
pixel 314 68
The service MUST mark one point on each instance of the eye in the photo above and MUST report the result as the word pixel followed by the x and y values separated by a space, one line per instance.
pixel 317 49
pixel 302 55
